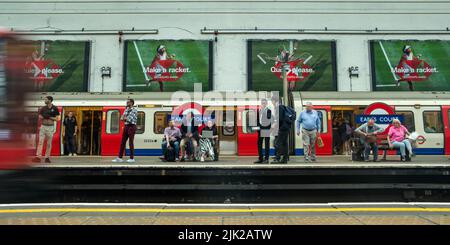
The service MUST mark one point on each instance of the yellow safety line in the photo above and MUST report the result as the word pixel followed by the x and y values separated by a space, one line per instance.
pixel 203 210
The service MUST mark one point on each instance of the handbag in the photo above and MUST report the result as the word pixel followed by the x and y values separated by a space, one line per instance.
pixel 320 142
pixel 371 139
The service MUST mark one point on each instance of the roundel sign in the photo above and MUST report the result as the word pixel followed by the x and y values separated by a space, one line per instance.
pixel 190 107
pixel 182 110
pixel 382 113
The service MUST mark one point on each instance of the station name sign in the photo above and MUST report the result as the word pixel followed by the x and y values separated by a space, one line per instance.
pixel 379 119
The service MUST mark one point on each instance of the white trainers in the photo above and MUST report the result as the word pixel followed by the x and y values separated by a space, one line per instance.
pixel 202 159
pixel 117 160
pixel 74 154
pixel 131 160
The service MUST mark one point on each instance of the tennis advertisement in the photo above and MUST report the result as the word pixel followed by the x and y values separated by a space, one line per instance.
pixel 167 65
pixel 59 66
pixel 310 65
pixel 410 65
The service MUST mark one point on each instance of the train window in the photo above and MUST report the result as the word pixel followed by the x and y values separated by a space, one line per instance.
pixel 140 126
pixel 432 122
pixel 112 122
pixel 228 128
pixel 160 122
pixel 323 118
pixel 249 117
pixel 408 120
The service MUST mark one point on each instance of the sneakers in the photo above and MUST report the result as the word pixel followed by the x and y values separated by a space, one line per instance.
pixel 131 160
pixel 117 160
pixel 202 159
pixel 74 154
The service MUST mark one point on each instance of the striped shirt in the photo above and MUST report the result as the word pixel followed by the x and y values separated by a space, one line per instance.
pixel 130 115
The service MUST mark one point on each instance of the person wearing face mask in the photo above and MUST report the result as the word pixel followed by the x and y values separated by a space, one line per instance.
pixel 369 131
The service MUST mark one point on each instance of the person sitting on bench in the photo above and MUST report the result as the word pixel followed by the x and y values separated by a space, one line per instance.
pixel 369 130
pixel 397 140
pixel 172 136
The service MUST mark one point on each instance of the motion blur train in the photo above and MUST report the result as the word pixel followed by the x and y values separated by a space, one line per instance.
pixel 426 113
pixel 13 88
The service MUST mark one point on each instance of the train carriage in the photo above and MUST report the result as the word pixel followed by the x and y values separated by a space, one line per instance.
pixel 426 113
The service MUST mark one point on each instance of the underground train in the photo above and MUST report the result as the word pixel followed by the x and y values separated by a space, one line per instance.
pixel 100 130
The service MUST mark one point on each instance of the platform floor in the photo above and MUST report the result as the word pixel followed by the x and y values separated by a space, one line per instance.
pixel 245 162
pixel 227 214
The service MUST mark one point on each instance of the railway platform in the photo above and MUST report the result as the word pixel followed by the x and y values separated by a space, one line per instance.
pixel 230 180
pixel 223 214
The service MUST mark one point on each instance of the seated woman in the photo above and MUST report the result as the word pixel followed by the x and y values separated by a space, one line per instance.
pixel 208 145
pixel 397 139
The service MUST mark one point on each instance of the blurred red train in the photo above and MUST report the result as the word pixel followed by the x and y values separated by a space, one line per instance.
pixel 13 89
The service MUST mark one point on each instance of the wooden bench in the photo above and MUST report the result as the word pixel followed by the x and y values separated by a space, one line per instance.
pixel 382 142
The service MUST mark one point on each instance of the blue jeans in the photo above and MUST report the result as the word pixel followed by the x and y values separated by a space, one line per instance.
pixel 368 147
pixel 174 144
pixel 403 146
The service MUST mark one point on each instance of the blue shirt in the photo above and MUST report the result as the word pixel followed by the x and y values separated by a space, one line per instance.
pixel 309 120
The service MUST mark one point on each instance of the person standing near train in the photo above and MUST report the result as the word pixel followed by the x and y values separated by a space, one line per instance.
pixel 282 123
pixel 310 123
pixel 49 114
pixel 130 119
pixel 264 123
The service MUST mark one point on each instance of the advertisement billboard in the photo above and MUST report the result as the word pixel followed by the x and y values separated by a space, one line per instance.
pixel 59 66
pixel 399 65
pixel 167 65
pixel 310 65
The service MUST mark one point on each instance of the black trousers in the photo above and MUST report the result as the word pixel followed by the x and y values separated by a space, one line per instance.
pixel 266 147
pixel 282 144
pixel 70 143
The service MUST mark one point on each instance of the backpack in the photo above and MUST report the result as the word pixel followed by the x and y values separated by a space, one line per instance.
pixel 348 130
pixel 289 115
pixel 169 154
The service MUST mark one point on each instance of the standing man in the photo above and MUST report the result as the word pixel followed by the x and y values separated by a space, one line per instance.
pixel 369 130
pixel 49 114
pixel 264 123
pixel 283 127
pixel 130 119
pixel 310 127
pixel 70 133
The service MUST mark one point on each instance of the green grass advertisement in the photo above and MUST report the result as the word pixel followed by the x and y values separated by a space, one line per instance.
pixel 399 65
pixel 167 65
pixel 59 66
pixel 310 65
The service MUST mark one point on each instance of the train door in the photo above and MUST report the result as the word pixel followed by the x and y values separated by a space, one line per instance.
pixel 341 116
pixel 56 140
pixel 326 132
pixel 428 123
pixel 224 118
pixel 247 136
pixel 88 138
pixel 150 127
pixel 112 128
pixel 446 119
